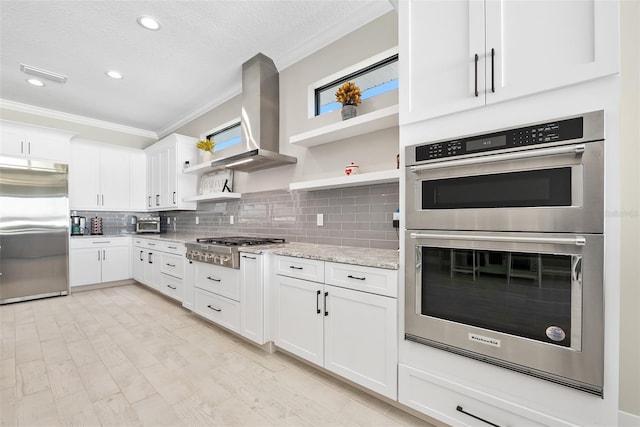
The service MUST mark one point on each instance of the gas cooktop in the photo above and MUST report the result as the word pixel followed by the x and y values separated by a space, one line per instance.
pixel 224 251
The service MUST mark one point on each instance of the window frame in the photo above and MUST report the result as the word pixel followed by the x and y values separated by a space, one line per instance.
pixel 354 70
pixel 221 128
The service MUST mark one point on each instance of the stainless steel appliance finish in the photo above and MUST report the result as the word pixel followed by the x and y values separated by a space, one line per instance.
pixel 544 177
pixel 34 230
pixel 148 224
pixel 224 251
pixel 530 302
pixel 259 121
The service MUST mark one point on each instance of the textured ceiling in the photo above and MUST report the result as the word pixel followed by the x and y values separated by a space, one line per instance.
pixel 170 76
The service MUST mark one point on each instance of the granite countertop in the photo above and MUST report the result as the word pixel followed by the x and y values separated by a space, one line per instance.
pixel 379 258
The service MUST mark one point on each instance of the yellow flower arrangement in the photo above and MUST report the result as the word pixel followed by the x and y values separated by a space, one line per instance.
pixel 206 145
pixel 349 94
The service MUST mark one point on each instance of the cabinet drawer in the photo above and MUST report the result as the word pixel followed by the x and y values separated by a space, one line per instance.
pixel 171 286
pixel 440 398
pixel 174 248
pixel 368 279
pixel 98 242
pixel 220 310
pixel 300 268
pixel 172 265
pixel 220 280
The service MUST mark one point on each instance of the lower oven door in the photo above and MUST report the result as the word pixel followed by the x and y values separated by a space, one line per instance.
pixel 526 301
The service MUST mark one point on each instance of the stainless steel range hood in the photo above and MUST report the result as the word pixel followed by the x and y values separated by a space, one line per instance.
pixel 260 120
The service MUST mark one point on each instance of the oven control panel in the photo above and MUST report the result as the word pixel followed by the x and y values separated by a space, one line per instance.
pixel 563 130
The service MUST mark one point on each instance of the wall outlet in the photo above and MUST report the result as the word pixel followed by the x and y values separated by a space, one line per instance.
pixel 133 220
pixel 197 220
pixel 231 220
pixel 168 220
pixel 320 220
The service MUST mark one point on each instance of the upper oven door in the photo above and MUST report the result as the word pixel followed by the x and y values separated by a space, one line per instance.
pixel 553 189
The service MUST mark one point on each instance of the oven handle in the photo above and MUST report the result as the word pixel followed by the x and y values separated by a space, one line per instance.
pixel 570 149
pixel 578 240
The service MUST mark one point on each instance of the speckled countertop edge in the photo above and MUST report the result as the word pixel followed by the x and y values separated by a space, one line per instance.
pixel 380 258
pixel 368 257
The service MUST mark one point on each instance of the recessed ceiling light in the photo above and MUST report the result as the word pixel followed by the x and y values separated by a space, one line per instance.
pixel 149 22
pixel 35 82
pixel 114 74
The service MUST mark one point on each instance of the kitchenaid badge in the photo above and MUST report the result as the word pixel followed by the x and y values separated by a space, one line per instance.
pixel 556 333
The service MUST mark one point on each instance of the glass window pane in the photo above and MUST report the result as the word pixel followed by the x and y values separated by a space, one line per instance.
pixel 226 137
pixel 372 81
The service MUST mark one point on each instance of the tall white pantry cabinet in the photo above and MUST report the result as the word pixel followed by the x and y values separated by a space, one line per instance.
pixel 479 65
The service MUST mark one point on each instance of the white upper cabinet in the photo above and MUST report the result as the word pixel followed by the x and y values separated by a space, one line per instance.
pixel 167 186
pixel 35 143
pixel 457 55
pixel 100 177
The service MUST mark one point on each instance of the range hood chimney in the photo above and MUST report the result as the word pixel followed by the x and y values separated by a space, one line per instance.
pixel 260 120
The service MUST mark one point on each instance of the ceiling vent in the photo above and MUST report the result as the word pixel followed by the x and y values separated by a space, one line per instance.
pixel 43 74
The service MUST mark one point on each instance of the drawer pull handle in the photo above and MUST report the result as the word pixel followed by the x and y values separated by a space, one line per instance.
pixel 214 308
pixel 459 409
pixel 295 268
pixel 101 242
pixel 318 303
pixel 171 287
pixel 248 257
pixel 151 244
pixel 170 265
pixel 172 247
pixel 355 277
pixel 215 280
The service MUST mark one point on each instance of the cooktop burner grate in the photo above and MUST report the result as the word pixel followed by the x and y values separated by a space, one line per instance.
pixel 238 241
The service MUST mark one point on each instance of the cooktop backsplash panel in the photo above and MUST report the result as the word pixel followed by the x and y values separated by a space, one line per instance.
pixel 355 216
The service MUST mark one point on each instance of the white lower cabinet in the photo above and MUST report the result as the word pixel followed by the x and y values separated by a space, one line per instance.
pixel 456 404
pixel 252 297
pixel 99 260
pixel 216 294
pixel 347 331
pixel 160 265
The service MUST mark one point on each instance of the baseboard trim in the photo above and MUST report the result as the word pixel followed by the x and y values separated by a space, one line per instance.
pixel 625 419
pixel 82 288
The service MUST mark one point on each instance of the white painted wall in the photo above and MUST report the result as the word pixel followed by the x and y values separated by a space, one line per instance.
pixel 630 213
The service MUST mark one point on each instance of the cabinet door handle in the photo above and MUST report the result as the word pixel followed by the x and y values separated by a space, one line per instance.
pixel 103 200
pixel 149 201
pixel 150 258
pixel 460 409
pixel 21 147
pixel 493 55
pixel 355 277
pixel 214 279
pixel 141 256
pixel 170 265
pixel 248 257
pixel 174 197
pixel 98 254
pixel 171 287
pixel 326 294
pixel 476 75
pixel 214 308
pixel 29 147
pixel 104 254
pixel 318 303
pixel 296 268
pixel 157 200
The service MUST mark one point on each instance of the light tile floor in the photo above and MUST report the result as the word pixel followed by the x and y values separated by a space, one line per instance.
pixel 126 356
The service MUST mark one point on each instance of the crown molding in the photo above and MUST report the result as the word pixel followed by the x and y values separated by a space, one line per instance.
pixel 345 26
pixel 59 115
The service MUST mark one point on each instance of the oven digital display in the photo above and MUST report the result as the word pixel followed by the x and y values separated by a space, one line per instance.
pixel 486 143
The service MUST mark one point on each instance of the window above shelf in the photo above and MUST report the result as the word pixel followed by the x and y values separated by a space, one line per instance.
pixel 360 125
pixel 370 178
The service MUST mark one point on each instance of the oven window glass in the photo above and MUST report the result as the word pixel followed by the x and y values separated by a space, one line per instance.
pixel 547 187
pixel 522 294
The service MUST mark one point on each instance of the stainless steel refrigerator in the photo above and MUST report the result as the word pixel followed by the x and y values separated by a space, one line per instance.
pixel 34 230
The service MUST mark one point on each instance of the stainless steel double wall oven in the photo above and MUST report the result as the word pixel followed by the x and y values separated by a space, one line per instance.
pixel 504 248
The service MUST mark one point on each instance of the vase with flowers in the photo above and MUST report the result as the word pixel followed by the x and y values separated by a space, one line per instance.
pixel 206 150
pixel 349 95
